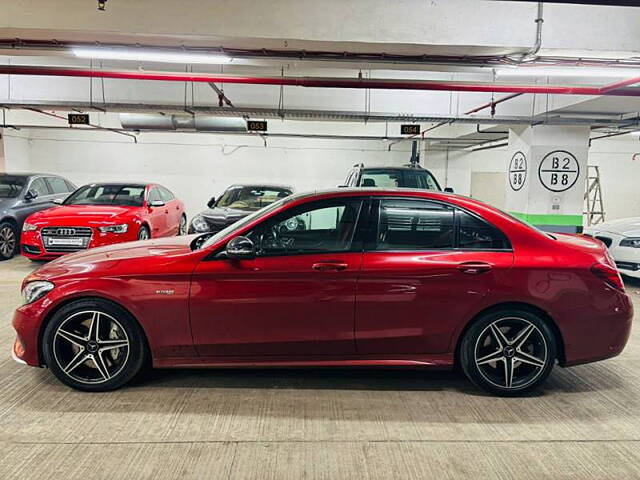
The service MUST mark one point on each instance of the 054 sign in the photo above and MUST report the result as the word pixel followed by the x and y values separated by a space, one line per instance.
pixel 559 171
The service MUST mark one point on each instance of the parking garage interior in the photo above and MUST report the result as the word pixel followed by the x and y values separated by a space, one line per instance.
pixel 530 107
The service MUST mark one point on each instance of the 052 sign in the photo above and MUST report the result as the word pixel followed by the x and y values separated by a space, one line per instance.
pixel 559 171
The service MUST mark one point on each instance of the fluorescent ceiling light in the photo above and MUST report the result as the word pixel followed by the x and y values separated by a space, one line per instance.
pixel 567 72
pixel 148 55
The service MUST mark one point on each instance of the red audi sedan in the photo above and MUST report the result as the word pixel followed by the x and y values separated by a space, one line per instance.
pixel 103 214
pixel 345 277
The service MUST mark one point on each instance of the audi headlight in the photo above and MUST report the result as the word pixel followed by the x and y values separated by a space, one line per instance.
pixel 199 224
pixel 36 290
pixel 633 242
pixel 114 228
pixel 28 227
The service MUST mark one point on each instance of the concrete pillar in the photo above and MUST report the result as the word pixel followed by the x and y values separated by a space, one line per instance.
pixel 546 177
pixel 2 163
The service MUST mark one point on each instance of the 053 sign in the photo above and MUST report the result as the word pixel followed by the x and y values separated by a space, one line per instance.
pixel 559 171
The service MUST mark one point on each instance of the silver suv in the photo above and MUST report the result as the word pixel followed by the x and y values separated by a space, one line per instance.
pixel 20 196
pixel 407 176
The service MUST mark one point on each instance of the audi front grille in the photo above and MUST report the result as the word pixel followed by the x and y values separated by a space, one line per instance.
pixel 66 239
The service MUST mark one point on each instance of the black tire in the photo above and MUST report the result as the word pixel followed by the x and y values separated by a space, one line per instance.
pixel 9 240
pixel 144 233
pixel 498 355
pixel 71 356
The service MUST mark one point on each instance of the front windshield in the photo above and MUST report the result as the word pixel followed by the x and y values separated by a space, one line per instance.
pixel 10 187
pixel 394 178
pixel 251 197
pixel 125 195
pixel 241 223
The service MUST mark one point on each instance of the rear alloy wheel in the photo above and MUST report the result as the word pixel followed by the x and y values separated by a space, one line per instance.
pixel 508 353
pixel 143 233
pixel 8 241
pixel 93 345
pixel 182 228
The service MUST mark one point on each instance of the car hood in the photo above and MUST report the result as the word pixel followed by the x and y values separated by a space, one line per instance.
pixel 81 215
pixel 627 227
pixel 225 215
pixel 121 259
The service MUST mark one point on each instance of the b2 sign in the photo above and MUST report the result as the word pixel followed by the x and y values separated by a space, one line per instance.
pixel 558 171
pixel 517 171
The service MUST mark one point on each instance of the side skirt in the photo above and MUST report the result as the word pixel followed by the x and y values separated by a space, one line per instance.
pixel 436 361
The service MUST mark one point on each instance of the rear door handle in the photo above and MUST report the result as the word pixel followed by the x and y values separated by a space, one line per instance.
pixel 474 268
pixel 329 266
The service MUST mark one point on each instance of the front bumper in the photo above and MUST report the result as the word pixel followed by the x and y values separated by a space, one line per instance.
pixel 32 243
pixel 26 322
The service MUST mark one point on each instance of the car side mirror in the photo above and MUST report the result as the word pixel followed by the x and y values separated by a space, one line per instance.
pixel 31 195
pixel 241 248
pixel 157 203
pixel 58 201
pixel 448 189
pixel 211 203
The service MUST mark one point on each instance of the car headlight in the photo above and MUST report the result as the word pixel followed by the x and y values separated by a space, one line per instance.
pixel 630 242
pixel 36 290
pixel 28 227
pixel 199 224
pixel 114 228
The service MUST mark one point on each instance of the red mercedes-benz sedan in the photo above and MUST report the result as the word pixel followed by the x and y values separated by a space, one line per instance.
pixel 346 277
pixel 103 214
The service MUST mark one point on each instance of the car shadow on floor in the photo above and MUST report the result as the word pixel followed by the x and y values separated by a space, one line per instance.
pixel 588 378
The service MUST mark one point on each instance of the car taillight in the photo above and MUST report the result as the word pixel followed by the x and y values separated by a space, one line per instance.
pixel 609 274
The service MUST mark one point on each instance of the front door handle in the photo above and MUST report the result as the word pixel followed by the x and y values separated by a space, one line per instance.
pixel 474 268
pixel 329 266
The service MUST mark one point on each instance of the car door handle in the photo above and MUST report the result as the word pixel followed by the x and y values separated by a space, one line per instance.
pixel 329 266
pixel 474 268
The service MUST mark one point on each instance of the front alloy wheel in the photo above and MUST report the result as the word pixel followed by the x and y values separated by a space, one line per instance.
pixel 8 241
pixel 508 353
pixel 182 228
pixel 93 345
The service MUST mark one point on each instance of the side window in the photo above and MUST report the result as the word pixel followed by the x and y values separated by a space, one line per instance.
pixel 154 195
pixel 165 195
pixel 414 225
pixel 40 186
pixel 475 233
pixel 71 186
pixel 318 227
pixel 57 185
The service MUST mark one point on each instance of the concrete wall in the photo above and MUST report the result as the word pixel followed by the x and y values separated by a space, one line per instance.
pixel 194 166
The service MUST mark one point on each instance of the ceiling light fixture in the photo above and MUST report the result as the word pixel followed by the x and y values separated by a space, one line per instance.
pixel 149 55
pixel 567 72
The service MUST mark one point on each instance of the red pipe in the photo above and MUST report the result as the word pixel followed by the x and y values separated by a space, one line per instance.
pixel 320 82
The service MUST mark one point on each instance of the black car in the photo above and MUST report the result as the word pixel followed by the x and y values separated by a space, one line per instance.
pixel 236 202
pixel 20 196
pixel 407 176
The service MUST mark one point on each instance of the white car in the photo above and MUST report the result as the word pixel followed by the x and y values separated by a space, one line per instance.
pixel 622 238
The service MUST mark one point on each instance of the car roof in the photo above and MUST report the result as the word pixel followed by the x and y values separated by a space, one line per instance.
pixel 26 175
pixel 122 184
pixel 260 185
pixel 402 167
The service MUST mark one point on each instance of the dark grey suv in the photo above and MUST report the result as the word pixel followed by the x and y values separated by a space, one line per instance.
pixel 20 196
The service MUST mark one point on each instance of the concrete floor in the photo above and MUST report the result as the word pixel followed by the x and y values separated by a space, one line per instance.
pixel 280 424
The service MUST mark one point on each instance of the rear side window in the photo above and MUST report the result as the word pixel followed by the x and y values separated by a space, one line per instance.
pixel 474 233
pixel 414 225
pixel 58 185
pixel 405 224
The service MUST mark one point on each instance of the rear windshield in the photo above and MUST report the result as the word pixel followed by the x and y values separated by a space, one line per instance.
pixel 125 195
pixel 394 178
pixel 10 187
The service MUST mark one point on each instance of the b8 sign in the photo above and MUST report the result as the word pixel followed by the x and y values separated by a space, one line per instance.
pixel 558 171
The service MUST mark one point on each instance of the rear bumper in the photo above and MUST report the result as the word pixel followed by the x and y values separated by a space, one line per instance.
pixel 601 333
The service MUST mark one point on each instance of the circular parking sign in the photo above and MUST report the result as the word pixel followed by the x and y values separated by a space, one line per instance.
pixel 517 170
pixel 559 171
